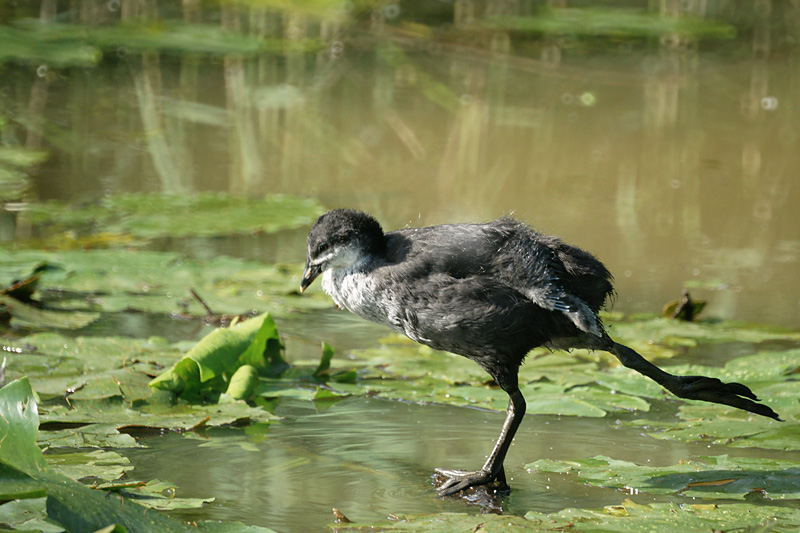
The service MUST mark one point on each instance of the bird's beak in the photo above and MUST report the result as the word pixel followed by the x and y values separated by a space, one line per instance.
pixel 310 273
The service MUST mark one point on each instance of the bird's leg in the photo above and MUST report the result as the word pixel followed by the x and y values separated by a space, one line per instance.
pixel 492 470
pixel 693 387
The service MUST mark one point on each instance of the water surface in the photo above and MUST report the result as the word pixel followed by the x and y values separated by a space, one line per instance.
pixel 672 157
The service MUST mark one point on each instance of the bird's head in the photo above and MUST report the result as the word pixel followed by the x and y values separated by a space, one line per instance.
pixel 339 239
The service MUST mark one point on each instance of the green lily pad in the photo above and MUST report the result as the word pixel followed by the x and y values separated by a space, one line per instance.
pixel 87 368
pixel 24 473
pixel 707 477
pixel 99 465
pixel 615 23
pixel 28 515
pixel 24 314
pixel 148 215
pixel 211 363
pixel 155 494
pixel 180 417
pixel 19 422
pixel 669 332
pixel 553 384
pixel 86 436
pixel 628 516
pixel 157 282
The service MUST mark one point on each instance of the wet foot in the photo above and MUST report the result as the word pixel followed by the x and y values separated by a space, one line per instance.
pixel 453 481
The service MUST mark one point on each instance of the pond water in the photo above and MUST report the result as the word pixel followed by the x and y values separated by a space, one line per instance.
pixel 671 156
pixel 372 458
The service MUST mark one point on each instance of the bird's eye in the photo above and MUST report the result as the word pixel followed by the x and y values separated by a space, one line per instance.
pixel 322 248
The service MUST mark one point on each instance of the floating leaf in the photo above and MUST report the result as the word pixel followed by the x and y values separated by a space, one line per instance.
pixel 25 314
pixel 243 383
pixel 27 515
pixel 182 417
pixel 24 473
pixel 706 477
pixel 19 422
pixel 325 360
pixel 672 332
pixel 99 465
pixel 157 282
pixel 210 363
pixel 155 494
pixel 629 516
pixel 148 215
pixel 89 367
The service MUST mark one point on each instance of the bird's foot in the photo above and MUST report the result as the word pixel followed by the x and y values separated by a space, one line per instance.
pixel 716 391
pixel 457 480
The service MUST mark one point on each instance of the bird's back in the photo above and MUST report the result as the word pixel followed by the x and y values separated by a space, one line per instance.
pixel 551 273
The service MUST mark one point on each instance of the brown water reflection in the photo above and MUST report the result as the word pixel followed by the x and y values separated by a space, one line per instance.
pixel 671 155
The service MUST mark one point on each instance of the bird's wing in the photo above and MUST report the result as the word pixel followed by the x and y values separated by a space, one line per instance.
pixel 555 299
pixel 530 266
pixel 544 272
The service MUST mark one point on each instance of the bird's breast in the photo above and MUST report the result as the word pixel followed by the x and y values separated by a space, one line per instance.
pixel 357 292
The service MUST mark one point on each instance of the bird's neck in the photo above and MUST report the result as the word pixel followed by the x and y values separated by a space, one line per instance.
pixel 355 288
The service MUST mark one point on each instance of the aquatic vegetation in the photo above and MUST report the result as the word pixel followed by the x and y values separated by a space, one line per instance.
pixel 96 393
pixel 156 215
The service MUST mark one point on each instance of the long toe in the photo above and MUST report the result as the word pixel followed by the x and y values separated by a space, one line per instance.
pixel 716 391
pixel 693 384
pixel 457 480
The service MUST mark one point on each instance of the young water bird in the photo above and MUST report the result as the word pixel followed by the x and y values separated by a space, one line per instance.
pixel 490 292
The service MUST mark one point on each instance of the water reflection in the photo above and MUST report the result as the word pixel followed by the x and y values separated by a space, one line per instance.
pixel 655 139
pixel 371 458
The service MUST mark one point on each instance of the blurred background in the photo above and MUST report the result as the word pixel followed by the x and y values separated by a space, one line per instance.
pixel 662 135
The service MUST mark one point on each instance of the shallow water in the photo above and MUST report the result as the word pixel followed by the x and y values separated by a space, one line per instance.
pixel 371 458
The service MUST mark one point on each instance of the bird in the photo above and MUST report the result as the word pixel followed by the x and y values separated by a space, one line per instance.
pixel 490 292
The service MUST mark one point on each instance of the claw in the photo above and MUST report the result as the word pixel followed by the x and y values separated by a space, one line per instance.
pixel 458 480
